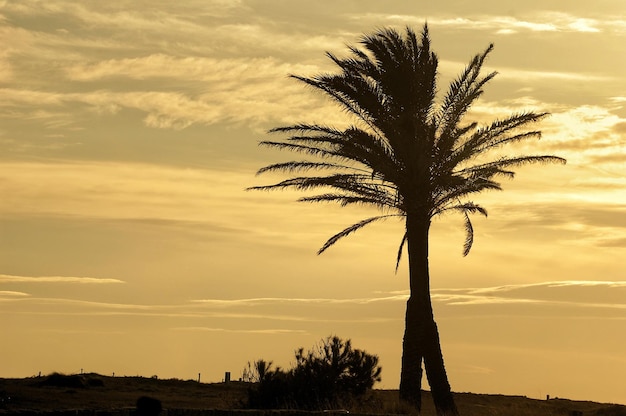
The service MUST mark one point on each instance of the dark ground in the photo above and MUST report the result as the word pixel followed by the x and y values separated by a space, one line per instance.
pixel 97 392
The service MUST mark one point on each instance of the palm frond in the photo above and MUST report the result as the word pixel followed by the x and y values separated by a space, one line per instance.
pixel 461 95
pixel 495 135
pixel 496 167
pixel 301 148
pixel 304 127
pixel 359 101
pixel 502 139
pixel 467 208
pixel 469 234
pixel 461 189
pixel 464 207
pixel 354 227
pixel 344 181
pixel 379 200
pixel 400 248
pixel 302 166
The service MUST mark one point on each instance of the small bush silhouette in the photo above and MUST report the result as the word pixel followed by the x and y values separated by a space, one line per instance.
pixel 148 406
pixel 255 372
pixel 72 381
pixel 328 376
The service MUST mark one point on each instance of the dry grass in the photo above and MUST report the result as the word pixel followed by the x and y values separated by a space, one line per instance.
pixel 101 392
pixel 470 404
pixel 93 391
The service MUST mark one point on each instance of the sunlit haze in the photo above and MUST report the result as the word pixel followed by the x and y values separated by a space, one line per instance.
pixel 128 244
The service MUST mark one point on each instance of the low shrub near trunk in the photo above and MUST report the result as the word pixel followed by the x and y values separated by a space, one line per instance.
pixel 329 376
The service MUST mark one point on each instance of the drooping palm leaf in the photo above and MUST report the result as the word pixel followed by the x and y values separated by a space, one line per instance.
pixel 354 227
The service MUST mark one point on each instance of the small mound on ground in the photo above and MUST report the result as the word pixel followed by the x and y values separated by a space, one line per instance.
pixel 74 381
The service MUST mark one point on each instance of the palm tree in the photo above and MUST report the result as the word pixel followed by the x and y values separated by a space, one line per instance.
pixel 411 156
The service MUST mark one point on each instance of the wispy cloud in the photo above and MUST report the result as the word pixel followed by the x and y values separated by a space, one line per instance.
pixel 471 299
pixel 243 331
pixel 215 203
pixel 222 28
pixel 568 292
pixel 474 369
pixel 80 331
pixel 103 190
pixel 4 278
pixel 530 77
pixel 540 22
pixel 223 100
pixel 562 283
pixel 227 72
pixel 93 306
pixel 313 301
pixel 12 294
pixel 579 293
pixel 500 24
pixel 578 133
pixel 269 310
pixel 101 16
pixel 571 293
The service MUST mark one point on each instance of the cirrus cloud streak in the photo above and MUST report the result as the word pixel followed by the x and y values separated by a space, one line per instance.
pixel 4 278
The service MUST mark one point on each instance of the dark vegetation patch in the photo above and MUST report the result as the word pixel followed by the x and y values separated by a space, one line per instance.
pixel 49 393
pixel 75 381
pixel 29 396
pixel 332 375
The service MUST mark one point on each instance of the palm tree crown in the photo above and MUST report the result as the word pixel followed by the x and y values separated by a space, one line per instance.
pixel 405 153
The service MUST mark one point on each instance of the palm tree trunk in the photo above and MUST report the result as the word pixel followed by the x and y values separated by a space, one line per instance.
pixel 421 337
pixel 436 374
pixel 412 354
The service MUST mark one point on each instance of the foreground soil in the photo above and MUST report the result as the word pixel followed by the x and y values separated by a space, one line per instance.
pixel 97 392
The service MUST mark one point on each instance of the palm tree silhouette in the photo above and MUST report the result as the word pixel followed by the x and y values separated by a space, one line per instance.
pixel 411 156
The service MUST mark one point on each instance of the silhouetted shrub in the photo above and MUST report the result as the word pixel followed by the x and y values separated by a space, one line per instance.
pixel 74 381
pixel 148 406
pixel 62 380
pixel 255 372
pixel 274 390
pixel 326 377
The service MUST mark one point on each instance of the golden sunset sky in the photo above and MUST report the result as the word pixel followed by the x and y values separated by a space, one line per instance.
pixel 128 244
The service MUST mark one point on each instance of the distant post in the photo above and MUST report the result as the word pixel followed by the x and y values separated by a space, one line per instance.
pixel 227 377
pixel 198 377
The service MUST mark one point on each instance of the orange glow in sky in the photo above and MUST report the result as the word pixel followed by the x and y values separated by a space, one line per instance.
pixel 128 244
